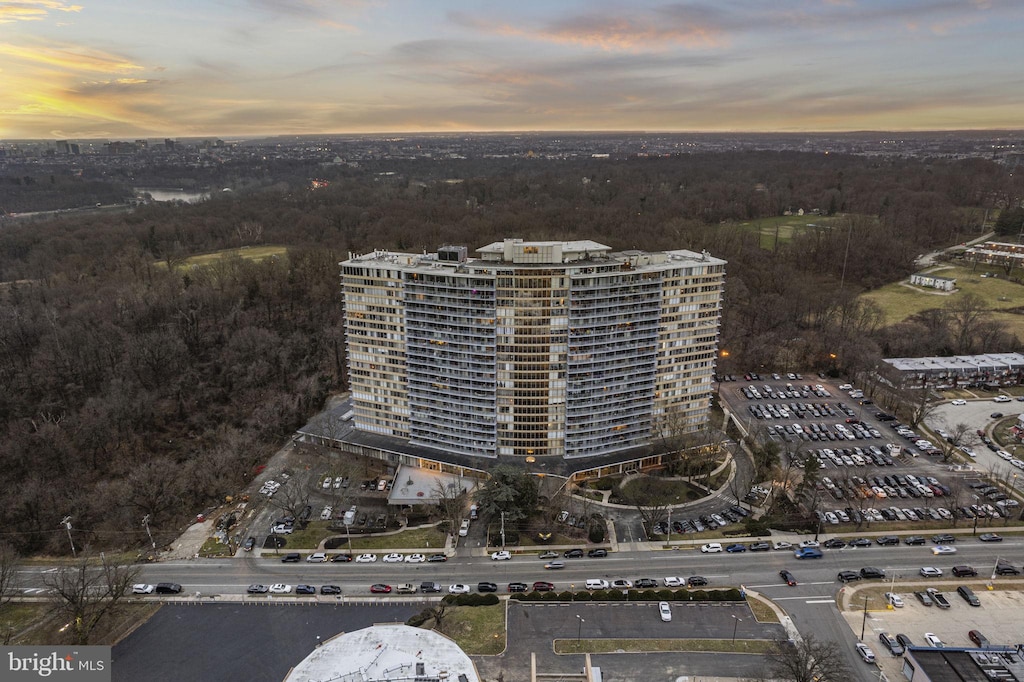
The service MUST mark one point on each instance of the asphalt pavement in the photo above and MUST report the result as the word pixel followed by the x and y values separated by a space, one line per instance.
pixel 235 642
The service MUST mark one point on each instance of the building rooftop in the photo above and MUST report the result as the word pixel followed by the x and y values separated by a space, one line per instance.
pixel 991 361
pixel 386 652
pixel 969 665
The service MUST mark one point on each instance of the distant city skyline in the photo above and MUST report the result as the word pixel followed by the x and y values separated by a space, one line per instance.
pixel 242 68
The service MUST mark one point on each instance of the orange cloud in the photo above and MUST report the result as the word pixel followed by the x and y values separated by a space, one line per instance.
pixel 32 10
pixel 70 58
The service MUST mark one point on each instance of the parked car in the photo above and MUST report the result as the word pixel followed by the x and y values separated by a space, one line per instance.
pixel 872 572
pixel 380 588
pixel 459 588
pixel 291 558
pixel 665 611
pixel 891 643
pixel 597 553
pixel 317 558
pixel 980 640
pixel 305 589
pixel 924 598
pixel 932 640
pixel 405 588
pixel 503 555
pixel 257 588
pixel 931 572
pixel 486 587
pixel 143 589
pixel 990 537
pixel 570 553
pixel 711 547
pixel 696 581
pixel 518 587
pixel 967 594
pixel 847 576
pixel 964 571
pixel 866 654
pixel 249 543
pixel 167 588
pixel 366 558
pixel 551 555
pixel 437 558
pixel 894 600
pixel 330 589
pixel 542 586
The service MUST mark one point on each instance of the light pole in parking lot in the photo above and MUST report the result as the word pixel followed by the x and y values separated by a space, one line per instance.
pixel 975 531
pixel 864 623
pixel 579 630
pixel 735 624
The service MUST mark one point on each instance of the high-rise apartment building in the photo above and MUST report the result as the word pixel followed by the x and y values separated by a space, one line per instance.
pixel 532 348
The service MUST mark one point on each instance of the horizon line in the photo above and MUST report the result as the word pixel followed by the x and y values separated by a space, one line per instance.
pixel 449 133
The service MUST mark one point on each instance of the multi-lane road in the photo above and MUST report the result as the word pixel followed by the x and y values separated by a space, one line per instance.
pixel 755 570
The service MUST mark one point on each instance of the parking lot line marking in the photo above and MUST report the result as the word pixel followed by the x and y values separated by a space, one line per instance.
pixel 816 596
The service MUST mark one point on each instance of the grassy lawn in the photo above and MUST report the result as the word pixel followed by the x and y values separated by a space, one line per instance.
pixel 249 253
pixel 478 630
pixel 762 612
pixel 787 226
pixel 35 624
pixel 663 488
pixel 214 549
pixel 604 646
pixel 418 538
pixel 898 302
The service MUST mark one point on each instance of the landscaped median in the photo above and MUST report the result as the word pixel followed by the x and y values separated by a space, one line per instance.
pixel 632 646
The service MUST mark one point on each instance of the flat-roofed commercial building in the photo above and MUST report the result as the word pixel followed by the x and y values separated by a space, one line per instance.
pixel 533 348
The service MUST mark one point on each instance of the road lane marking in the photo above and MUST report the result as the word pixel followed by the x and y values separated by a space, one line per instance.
pixel 816 596
pixel 821 601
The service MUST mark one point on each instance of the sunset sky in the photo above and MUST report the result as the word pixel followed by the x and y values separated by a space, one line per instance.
pixel 141 68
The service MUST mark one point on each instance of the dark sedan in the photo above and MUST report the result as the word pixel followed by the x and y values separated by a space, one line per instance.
pixel 860 542
pixel 341 558
pixel 437 557
pixel 736 548
pixel 847 576
pixel 696 581
pixel 990 537
pixel 257 589
pixel 305 589
pixel 597 553
pixel 330 589
pixel 834 543
pixel 486 587
pixel 573 553
pixel 518 587
pixel 760 546
pixel 787 577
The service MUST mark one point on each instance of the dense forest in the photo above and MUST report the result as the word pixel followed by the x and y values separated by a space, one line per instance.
pixel 135 385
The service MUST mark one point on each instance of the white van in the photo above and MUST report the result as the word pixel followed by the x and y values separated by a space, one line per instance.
pixel 597 584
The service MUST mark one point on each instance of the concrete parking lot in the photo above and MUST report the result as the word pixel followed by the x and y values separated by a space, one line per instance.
pixel 536 625
pixel 1000 618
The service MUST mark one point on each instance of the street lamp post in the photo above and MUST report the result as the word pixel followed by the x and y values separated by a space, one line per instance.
pixel 975 530
pixel 579 630
pixel 348 536
pixel 735 624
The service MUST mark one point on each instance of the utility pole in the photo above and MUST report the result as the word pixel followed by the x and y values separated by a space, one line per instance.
pixel 67 526
pixel 503 530
pixel 670 527
pixel 864 623
pixel 145 522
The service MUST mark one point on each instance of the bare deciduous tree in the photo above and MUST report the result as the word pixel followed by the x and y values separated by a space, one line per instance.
pixel 8 572
pixel 808 660
pixel 86 590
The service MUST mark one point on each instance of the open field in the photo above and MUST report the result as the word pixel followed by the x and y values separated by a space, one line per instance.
pixel 247 252
pixel 900 301
pixel 784 227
